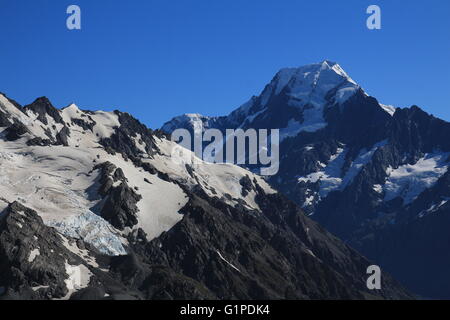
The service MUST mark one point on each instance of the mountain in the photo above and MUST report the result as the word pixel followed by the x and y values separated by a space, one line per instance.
pixel 94 205
pixel 374 175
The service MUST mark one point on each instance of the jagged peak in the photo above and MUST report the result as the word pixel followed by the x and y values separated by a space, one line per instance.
pixel 325 73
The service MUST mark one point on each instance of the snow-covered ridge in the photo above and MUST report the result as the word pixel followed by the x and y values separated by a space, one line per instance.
pixel 308 85
pixel 311 83
pixel 311 89
pixel 60 183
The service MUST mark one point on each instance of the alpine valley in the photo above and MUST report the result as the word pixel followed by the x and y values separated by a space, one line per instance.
pixel 374 175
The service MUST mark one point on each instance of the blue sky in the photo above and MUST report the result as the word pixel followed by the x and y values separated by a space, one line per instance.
pixel 160 58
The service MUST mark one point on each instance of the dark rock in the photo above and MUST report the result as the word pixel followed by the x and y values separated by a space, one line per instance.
pixel 16 131
pixel 4 120
pixel 43 107
pixel 62 136
pixel 23 233
pixel 84 124
pixel 38 141
pixel 120 202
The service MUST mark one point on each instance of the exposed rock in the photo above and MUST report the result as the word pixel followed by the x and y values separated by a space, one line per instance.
pixel 62 136
pixel 43 108
pixel 31 255
pixel 120 201
pixel 4 120
pixel 239 255
pixel 16 131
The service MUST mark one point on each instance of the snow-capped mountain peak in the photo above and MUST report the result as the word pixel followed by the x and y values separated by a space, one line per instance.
pixel 294 101
pixel 311 84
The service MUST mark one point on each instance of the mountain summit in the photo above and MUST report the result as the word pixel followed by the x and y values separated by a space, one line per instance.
pixel 374 175
pixel 296 100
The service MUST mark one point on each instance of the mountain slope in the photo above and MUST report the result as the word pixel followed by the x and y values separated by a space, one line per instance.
pixel 372 174
pixel 96 206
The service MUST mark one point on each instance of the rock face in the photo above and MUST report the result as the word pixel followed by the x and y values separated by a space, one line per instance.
pixel 43 108
pixel 15 131
pixel 373 175
pixel 119 206
pixel 31 256
pixel 34 262
pixel 122 140
pixel 279 254
pixel 175 229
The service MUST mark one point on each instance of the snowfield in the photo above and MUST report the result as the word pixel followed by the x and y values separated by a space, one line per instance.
pixel 60 184
pixel 219 179
pixel 408 181
pixel 332 178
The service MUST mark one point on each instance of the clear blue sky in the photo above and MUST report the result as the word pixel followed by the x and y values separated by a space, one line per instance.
pixel 160 58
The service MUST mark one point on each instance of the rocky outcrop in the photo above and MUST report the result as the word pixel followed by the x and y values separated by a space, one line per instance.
pixel 119 206
pixel 62 136
pixel 16 131
pixel 4 120
pixel 237 254
pixel 34 260
pixel 32 256
pixel 43 108
pixel 122 142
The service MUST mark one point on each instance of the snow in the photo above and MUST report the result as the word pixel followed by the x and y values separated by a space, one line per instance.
pixel 219 179
pixel 331 178
pixel 307 88
pixel 410 180
pixel 58 182
pixel 230 264
pixel 105 122
pixel 311 84
pixel 33 254
pixel 345 93
pixel 161 200
pixel 83 254
pixel 308 201
pixel 434 207
pixel 34 126
pixel 78 278
pixel 94 230
pixel 378 188
pixel 139 143
pixel 39 288
pixel 186 120
pixel 388 108
pixel 362 159
pixel 313 122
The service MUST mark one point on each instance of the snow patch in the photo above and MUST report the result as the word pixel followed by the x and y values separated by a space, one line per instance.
pixel 331 178
pixel 230 264
pixel 435 207
pixel 33 254
pixel 78 278
pixel 408 181
pixel 388 108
